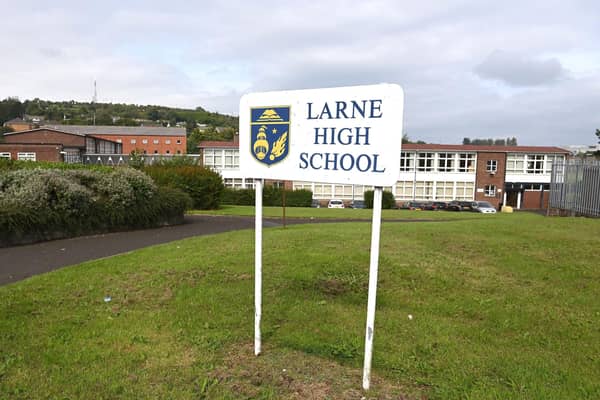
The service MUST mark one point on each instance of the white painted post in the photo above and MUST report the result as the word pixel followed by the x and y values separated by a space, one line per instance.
pixel 258 264
pixel 374 263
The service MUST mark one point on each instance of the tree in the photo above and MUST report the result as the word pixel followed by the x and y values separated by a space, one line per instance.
pixel 466 140
pixel 193 140
pixel 598 135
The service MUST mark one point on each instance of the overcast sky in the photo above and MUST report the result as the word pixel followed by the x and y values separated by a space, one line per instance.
pixel 529 69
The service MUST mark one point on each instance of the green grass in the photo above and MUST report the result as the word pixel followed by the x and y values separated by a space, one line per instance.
pixel 505 307
pixel 340 213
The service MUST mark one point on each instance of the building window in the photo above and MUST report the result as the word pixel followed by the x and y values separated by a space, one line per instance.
pixel 232 160
pixel 464 191
pixel 26 156
pixel 178 141
pixel 515 163
pixel 466 162
pixel 178 151
pixel 343 191
pixel 535 163
pixel 155 141
pixel 444 190
pixel 322 191
pixel 145 141
pixel 424 190
pixel 168 141
pixel 168 151
pixel 213 158
pixel 446 162
pixel 404 190
pixel 5 155
pixel 407 162
pixel 489 190
pixel 425 162
pixel 133 141
pixel 491 166
pixel 155 151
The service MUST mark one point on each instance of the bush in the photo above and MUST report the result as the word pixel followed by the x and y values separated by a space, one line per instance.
pixel 271 197
pixel 203 185
pixel 387 200
pixel 39 204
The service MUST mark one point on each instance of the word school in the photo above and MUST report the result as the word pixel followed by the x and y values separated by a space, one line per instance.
pixel 342 136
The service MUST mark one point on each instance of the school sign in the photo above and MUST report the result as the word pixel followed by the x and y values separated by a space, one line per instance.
pixel 339 135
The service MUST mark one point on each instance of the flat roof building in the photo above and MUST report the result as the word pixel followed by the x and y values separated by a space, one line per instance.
pixel 518 176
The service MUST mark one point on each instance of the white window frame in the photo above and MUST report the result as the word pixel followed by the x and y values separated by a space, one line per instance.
pixel 26 156
pixel 489 190
pixel 155 141
pixel 144 141
pixel 492 166
pixel 5 155
pixel 133 141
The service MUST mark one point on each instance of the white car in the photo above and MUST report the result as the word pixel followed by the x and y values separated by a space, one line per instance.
pixel 335 203
pixel 483 207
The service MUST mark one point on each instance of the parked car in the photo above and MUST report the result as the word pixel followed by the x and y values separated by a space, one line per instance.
pixel 315 203
pixel 440 205
pixel 335 203
pixel 484 207
pixel 415 205
pixel 460 205
pixel 357 204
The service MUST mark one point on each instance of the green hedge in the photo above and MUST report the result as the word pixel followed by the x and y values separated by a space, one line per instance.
pixel 387 200
pixel 271 197
pixel 40 204
pixel 13 165
pixel 203 185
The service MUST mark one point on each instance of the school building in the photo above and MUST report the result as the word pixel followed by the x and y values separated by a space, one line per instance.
pixel 518 176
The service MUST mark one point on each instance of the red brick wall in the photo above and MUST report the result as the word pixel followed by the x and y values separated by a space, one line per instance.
pixel 162 147
pixel 484 178
pixel 46 136
pixel 43 152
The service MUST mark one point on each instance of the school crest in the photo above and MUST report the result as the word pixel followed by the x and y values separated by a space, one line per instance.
pixel 270 133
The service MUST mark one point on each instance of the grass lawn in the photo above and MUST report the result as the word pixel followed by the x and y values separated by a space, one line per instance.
pixel 340 213
pixel 505 307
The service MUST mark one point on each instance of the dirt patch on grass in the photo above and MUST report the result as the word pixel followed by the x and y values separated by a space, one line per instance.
pixel 288 374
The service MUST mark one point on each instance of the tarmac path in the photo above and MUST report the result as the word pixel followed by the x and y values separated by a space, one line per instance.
pixel 20 262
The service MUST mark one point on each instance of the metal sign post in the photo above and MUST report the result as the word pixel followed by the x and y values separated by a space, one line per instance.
pixel 373 269
pixel 347 135
pixel 258 264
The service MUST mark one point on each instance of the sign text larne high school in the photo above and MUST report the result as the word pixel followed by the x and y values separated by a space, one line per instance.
pixel 337 138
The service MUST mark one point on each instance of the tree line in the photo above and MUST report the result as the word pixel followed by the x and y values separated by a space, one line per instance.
pixel 84 113
pixel 491 142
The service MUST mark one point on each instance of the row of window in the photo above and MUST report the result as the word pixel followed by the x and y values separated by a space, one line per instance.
pixel 25 156
pixel 154 141
pixel 531 163
pixel 437 162
pixel 222 158
pixel 516 163
pixel 402 190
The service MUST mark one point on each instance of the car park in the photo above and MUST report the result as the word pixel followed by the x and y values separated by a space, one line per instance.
pixel 460 205
pixel 484 207
pixel 315 203
pixel 335 203
pixel 440 205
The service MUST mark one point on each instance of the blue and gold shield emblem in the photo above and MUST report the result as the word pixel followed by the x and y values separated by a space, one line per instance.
pixel 270 133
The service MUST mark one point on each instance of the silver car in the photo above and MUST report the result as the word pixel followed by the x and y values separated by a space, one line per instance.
pixel 484 207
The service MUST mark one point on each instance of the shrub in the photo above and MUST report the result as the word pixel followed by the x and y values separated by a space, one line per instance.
pixel 203 185
pixel 271 197
pixel 387 200
pixel 38 204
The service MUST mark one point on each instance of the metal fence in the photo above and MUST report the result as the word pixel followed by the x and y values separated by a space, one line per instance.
pixel 575 187
pixel 123 159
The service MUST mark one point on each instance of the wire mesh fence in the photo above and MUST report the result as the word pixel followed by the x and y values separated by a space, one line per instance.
pixel 575 187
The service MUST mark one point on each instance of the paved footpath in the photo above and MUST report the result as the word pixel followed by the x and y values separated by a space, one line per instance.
pixel 20 262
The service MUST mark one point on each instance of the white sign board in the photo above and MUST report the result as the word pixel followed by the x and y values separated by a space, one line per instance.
pixel 338 135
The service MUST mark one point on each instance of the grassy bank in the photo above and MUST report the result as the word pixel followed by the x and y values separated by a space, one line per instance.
pixel 504 307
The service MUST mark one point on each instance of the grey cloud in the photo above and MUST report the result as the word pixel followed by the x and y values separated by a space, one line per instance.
pixel 519 71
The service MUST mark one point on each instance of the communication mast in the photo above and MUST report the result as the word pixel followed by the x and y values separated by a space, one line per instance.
pixel 94 101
